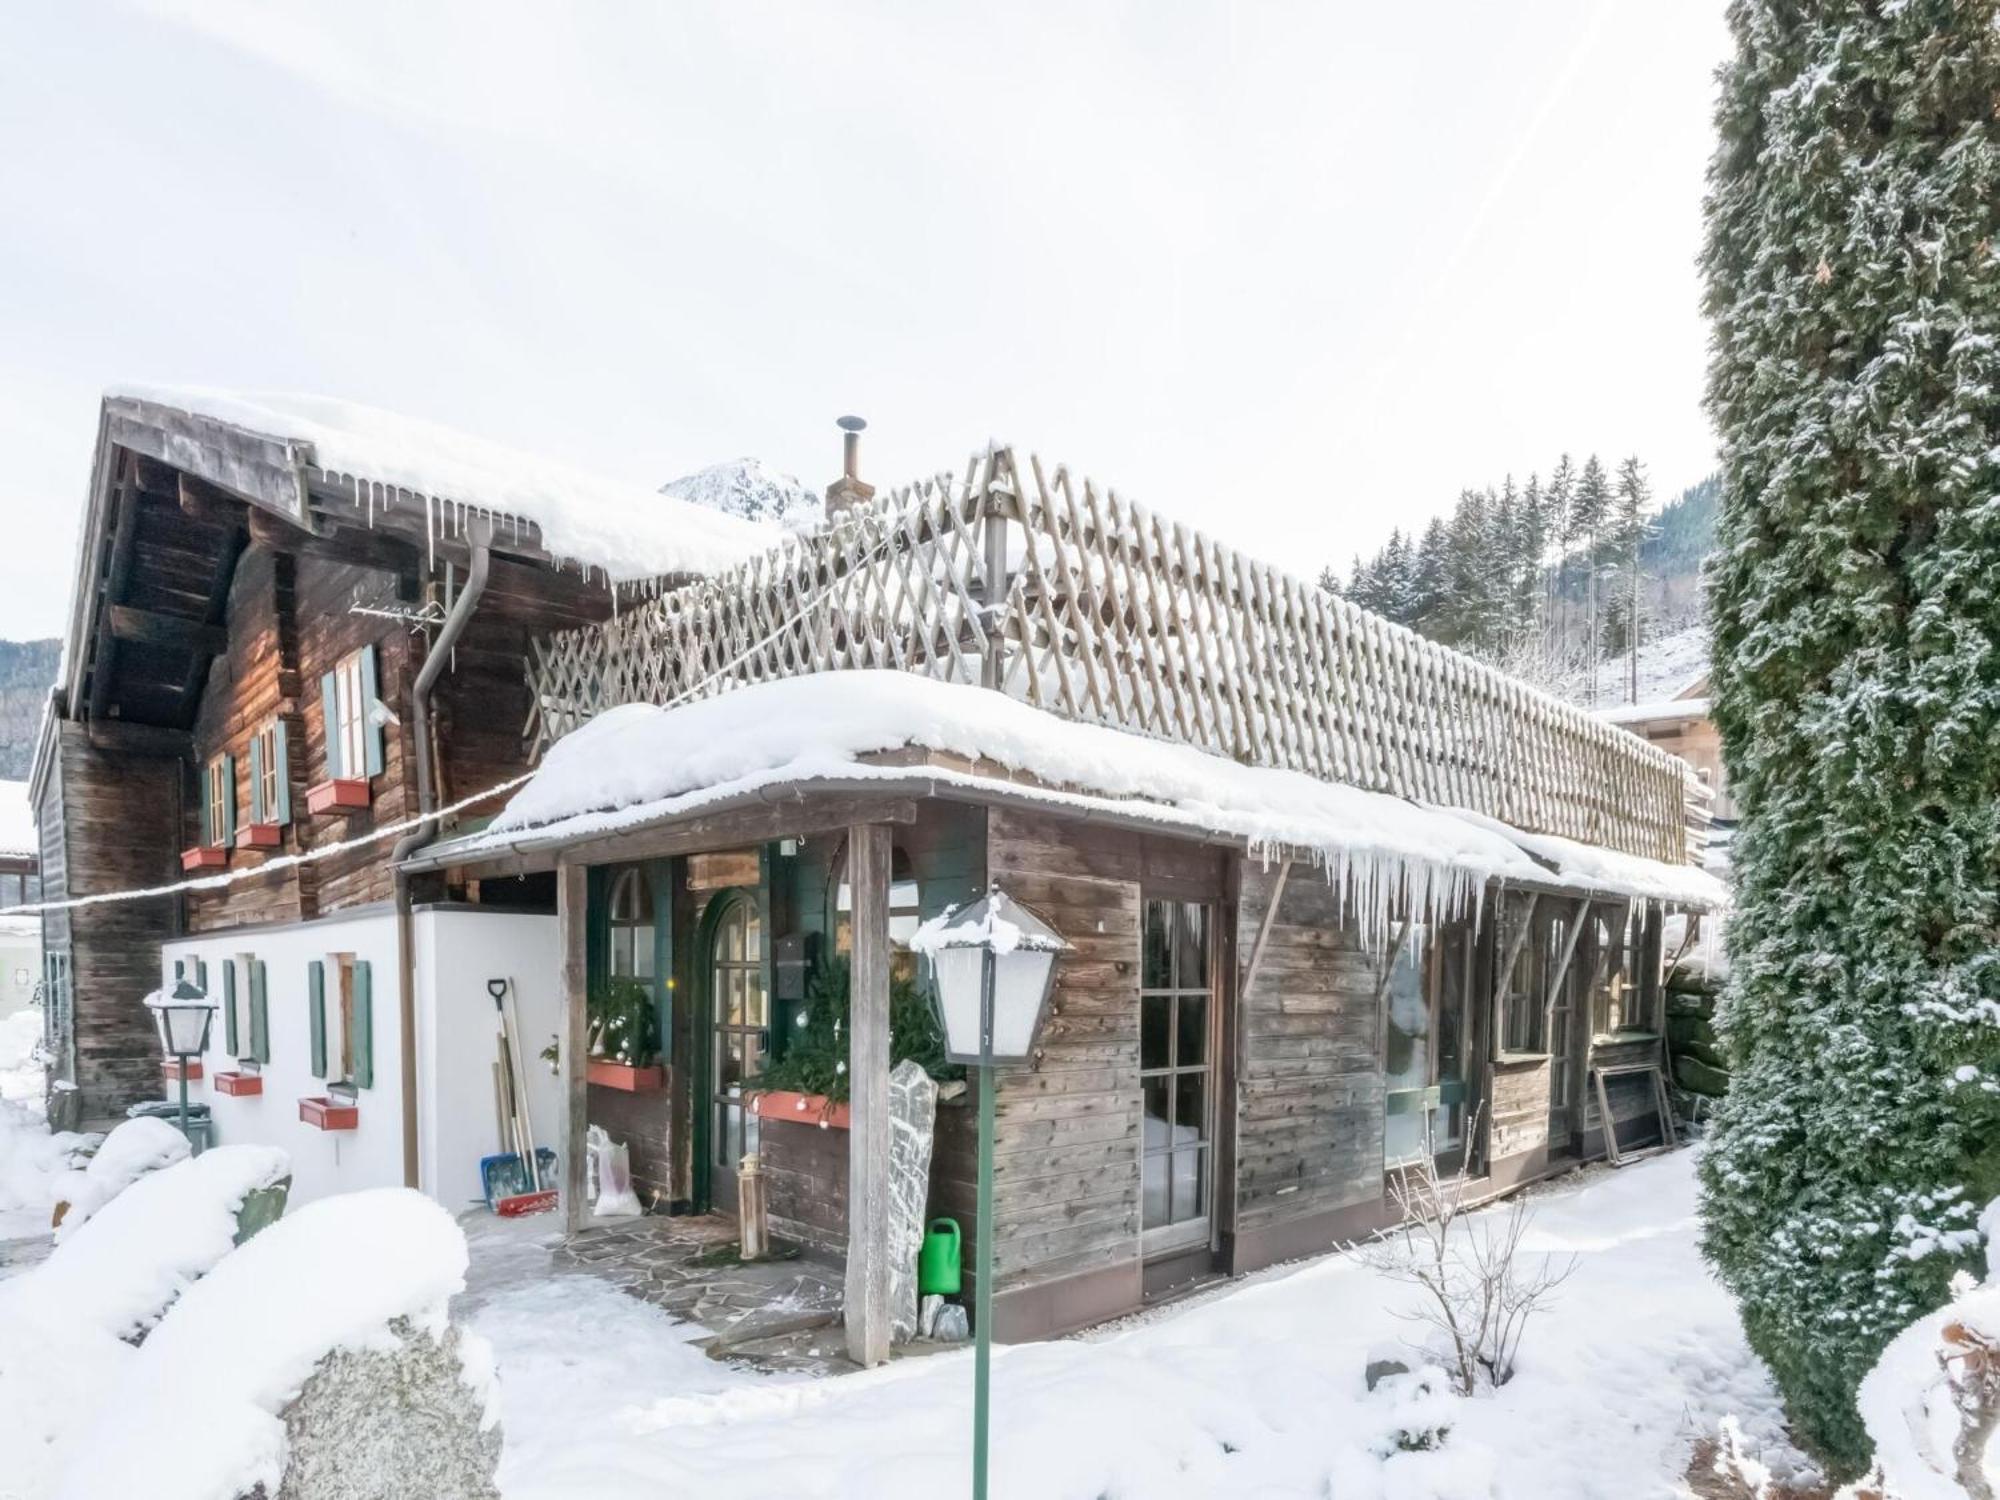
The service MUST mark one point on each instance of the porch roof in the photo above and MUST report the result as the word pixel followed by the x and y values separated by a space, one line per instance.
pixel 637 767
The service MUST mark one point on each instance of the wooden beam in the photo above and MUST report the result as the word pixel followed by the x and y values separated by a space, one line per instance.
pixel 117 575
pixel 1504 975
pixel 1264 930
pixel 750 825
pixel 572 900
pixel 155 629
pixel 866 1308
pixel 140 739
pixel 359 545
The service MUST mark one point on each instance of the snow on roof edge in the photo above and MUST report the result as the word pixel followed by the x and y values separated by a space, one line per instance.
pixel 637 764
pixel 628 532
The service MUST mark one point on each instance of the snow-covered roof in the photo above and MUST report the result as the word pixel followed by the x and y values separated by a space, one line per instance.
pixel 623 530
pixel 18 832
pixel 637 764
pixel 1652 713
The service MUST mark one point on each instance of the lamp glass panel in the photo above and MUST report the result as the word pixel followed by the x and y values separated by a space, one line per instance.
pixel 1020 982
pixel 958 982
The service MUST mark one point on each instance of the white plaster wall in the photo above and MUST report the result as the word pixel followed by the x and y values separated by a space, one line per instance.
pixel 20 966
pixel 323 1162
pixel 458 950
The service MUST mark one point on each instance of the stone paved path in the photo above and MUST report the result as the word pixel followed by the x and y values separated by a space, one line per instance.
pixel 781 1314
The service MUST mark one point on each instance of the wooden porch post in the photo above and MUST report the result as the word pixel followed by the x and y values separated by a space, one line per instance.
pixel 572 901
pixel 867 1288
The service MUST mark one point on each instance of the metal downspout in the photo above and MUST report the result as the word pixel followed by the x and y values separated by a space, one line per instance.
pixel 426 830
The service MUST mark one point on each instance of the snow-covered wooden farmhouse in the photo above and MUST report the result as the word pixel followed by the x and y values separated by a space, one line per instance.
pixel 1336 898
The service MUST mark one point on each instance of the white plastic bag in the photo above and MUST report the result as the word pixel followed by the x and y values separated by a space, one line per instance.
pixel 611 1164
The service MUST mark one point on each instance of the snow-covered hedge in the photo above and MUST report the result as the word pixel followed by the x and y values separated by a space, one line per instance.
pixel 237 1349
pixel 64 1325
pixel 133 1150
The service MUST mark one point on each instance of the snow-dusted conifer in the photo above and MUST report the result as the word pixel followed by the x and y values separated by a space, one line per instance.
pixel 1853 223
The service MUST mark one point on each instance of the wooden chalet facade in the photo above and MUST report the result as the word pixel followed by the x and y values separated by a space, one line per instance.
pixel 1250 1030
pixel 245 634
pixel 1335 898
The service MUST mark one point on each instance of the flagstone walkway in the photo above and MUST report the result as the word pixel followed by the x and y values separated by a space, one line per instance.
pixel 779 1314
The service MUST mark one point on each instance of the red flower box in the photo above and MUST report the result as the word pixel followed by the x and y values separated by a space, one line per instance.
pixel 617 1075
pixel 238 1085
pixel 259 836
pixel 323 1114
pixel 204 857
pixel 801 1109
pixel 172 1068
pixel 342 792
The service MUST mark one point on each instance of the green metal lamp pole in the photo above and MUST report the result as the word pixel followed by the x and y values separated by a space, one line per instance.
pixel 982 1355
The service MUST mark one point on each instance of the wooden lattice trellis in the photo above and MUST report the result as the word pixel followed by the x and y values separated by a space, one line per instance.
pixel 1110 614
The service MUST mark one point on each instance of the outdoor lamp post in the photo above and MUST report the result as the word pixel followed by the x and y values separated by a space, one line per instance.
pixel 994 964
pixel 183 1018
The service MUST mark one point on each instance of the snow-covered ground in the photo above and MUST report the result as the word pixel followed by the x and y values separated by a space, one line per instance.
pixel 1257 1391
pixel 31 1159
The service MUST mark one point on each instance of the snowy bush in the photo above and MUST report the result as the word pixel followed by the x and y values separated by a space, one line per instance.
pixel 66 1326
pixel 272 1379
pixel 1477 1295
pixel 130 1152
pixel 1853 220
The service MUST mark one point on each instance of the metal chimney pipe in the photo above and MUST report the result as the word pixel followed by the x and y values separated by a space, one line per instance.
pixel 850 457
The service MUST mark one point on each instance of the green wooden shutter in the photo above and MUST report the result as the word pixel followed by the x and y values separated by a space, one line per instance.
pixel 257 779
pixel 260 1016
pixel 281 780
pixel 329 693
pixel 316 1015
pixel 372 737
pixel 228 799
pixel 361 1026
pixel 229 1038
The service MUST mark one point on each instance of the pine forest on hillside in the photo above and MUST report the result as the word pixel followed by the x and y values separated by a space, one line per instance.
pixel 1529 575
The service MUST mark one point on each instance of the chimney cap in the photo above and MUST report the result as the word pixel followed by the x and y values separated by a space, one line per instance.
pixel 851 424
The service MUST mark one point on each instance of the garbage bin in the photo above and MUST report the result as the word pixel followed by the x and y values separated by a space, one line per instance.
pixel 200 1128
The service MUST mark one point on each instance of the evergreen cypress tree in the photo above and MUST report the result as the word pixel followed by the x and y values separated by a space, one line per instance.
pixel 1852 283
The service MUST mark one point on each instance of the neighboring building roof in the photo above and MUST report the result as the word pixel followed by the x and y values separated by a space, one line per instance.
pixel 624 531
pixel 18 832
pixel 1667 709
pixel 638 765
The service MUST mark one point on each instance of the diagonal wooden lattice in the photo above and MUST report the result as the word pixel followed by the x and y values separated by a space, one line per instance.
pixel 1110 614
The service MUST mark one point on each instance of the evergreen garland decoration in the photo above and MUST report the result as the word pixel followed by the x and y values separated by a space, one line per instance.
pixel 1854 294
pixel 814 1059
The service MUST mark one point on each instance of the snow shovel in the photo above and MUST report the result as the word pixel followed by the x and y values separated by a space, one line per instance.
pixel 514 1179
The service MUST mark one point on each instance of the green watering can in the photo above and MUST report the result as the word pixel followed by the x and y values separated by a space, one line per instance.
pixel 937 1262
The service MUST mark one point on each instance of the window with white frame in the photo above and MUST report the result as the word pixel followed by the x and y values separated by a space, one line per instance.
pixel 350 731
pixel 270 789
pixel 218 807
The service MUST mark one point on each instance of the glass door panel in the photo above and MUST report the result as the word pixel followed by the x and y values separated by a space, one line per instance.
pixel 1176 1061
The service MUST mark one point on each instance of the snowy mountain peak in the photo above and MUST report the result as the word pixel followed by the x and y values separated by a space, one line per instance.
pixel 752 489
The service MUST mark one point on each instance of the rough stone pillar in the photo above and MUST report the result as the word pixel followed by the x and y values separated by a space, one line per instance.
pixel 912 1116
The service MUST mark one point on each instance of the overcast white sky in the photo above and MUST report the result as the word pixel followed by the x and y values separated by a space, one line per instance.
pixel 1294 272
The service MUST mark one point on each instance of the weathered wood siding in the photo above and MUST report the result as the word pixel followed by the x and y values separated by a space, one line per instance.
pixel 1309 1129
pixel 120 813
pixel 1066 1158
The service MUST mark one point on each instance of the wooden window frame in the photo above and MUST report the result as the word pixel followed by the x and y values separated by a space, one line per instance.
pixel 1180 1235
pixel 218 801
